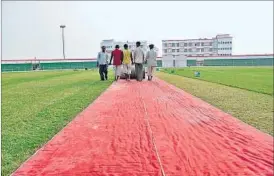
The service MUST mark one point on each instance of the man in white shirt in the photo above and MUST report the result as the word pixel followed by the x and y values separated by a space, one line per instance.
pixel 151 61
pixel 102 63
pixel 138 58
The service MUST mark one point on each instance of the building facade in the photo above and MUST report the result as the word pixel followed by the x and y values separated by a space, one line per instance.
pixel 220 45
pixel 110 45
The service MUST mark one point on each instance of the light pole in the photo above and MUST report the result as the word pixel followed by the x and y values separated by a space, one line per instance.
pixel 63 39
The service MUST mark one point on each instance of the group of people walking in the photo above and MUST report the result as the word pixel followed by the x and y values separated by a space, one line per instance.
pixel 124 59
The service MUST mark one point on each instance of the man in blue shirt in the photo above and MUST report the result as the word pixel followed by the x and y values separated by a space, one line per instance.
pixel 102 63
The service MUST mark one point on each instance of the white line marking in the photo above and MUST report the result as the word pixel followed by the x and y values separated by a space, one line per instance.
pixel 152 137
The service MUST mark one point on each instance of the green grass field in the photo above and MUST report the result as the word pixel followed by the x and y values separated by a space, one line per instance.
pixel 37 105
pixel 245 93
pixel 257 79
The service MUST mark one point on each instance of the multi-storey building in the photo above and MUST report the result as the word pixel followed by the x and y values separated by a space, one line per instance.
pixel 110 45
pixel 221 45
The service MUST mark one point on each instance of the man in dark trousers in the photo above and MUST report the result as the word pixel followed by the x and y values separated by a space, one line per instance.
pixel 102 63
pixel 139 58
pixel 117 56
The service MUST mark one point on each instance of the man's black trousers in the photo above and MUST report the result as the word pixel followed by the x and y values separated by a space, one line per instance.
pixel 103 70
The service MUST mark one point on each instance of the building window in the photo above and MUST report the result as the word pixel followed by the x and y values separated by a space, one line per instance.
pixel 202 44
pixel 210 44
pixel 198 50
pixel 185 44
pixel 189 50
pixel 181 44
pixel 210 49
pixel 173 44
pixel 185 50
pixel 165 51
pixel 165 45
pixel 190 44
pixel 197 44
pixel 177 44
pixel 173 50
pixel 178 50
pixel 202 50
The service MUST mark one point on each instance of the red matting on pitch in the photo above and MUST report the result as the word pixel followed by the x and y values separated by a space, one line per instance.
pixel 111 137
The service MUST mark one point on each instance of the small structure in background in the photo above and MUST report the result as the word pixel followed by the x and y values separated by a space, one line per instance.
pixel 197 74
pixel 179 61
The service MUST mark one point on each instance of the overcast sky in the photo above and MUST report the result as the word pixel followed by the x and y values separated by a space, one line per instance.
pixel 31 28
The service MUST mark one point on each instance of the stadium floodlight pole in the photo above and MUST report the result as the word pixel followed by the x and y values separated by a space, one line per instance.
pixel 63 40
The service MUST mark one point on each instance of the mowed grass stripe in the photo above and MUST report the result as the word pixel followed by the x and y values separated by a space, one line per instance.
pixel 42 92
pixel 34 111
pixel 39 76
pixel 253 108
pixel 256 79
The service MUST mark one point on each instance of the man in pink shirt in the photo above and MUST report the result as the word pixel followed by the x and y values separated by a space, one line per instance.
pixel 117 56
